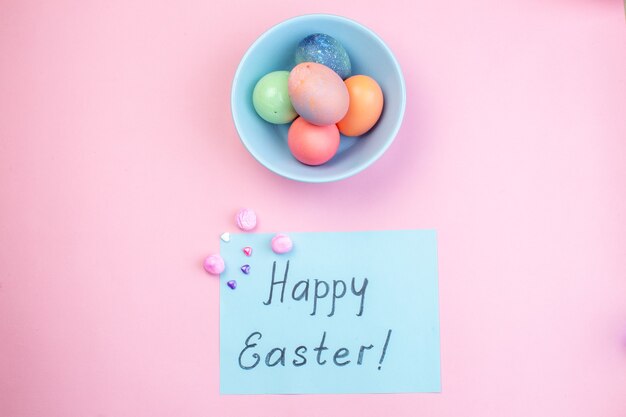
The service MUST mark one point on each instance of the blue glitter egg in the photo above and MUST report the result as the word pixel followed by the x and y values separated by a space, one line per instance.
pixel 325 50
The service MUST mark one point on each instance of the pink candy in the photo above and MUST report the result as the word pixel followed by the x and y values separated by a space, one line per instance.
pixel 246 219
pixel 214 264
pixel 281 243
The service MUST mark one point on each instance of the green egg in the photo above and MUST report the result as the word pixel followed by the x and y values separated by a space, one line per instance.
pixel 271 98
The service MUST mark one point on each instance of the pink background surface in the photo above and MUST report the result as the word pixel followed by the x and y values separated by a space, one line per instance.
pixel 120 167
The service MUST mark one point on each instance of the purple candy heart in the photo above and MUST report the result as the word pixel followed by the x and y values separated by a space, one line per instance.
pixel 232 284
pixel 245 269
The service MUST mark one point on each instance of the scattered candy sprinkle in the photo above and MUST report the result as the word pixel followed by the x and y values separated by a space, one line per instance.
pixel 245 269
pixel 247 250
pixel 246 219
pixel 225 237
pixel 232 284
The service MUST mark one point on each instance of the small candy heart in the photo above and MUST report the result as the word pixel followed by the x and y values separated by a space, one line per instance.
pixel 225 237
pixel 232 284
pixel 247 250
pixel 245 269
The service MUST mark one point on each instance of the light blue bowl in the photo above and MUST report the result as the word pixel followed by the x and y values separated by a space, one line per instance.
pixel 275 50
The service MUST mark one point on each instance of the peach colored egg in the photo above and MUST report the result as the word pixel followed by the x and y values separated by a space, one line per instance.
pixel 318 94
pixel 366 106
pixel 312 144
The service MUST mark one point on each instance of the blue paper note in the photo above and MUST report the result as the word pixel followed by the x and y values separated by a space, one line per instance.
pixel 353 312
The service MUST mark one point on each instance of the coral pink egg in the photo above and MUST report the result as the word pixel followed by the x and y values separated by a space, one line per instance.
pixel 318 94
pixel 311 144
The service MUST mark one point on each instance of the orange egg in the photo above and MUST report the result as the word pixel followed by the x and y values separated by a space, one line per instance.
pixel 366 105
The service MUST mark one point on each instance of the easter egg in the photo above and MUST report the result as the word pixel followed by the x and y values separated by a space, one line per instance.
pixel 318 94
pixel 366 106
pixel 325 50
pixel 312 144
pixel 271 98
